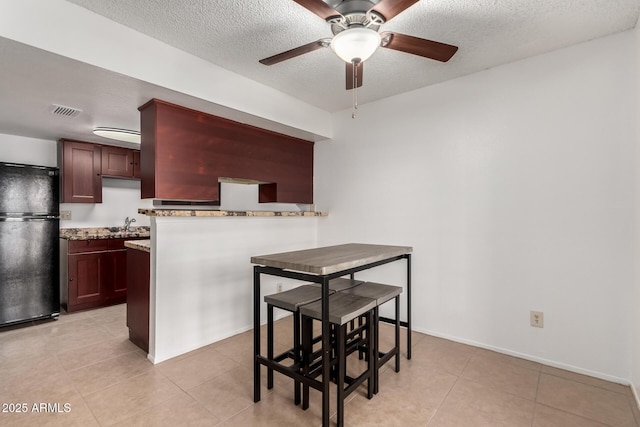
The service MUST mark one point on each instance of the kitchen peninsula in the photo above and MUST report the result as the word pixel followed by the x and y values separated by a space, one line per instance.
pixel 200 279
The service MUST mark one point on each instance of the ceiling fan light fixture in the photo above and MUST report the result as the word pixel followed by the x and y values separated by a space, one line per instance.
pixel 355 44
pixel 125 135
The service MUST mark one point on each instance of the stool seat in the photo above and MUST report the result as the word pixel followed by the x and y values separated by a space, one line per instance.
pixel 292 299
pixel 377 291
pixel 340 284
pixel 343 308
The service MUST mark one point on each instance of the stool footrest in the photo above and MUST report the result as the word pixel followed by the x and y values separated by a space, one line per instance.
pixel 289 354
pixel 393 321
pixel 385 357
pixel 292 372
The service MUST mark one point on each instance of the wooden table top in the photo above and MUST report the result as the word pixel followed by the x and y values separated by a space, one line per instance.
pixel 331 259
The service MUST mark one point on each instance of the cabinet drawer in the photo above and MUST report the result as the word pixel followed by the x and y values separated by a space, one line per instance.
pixel 115 244
pixel 76 246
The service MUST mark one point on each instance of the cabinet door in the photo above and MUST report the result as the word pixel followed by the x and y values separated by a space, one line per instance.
pixel 119 284
pixel 136 164
pixel 81 180
pixel 138 276
pixel 117 162
pixel 88 278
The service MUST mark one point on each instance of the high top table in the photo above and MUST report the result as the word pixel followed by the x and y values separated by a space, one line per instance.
pixel 320 265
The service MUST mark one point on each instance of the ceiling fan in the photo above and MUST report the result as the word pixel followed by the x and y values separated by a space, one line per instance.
pixel 355 25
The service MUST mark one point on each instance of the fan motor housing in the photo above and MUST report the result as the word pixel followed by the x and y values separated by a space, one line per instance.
pixel 347 7
pixel 354 13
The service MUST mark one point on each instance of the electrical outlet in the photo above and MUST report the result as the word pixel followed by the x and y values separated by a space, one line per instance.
pixel 537 319
pixel 65 215
pixel 279 287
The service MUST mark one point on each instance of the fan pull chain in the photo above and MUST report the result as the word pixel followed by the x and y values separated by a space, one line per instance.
pixel 355 89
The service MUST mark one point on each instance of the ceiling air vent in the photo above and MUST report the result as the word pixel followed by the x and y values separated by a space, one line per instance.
pixel 61 110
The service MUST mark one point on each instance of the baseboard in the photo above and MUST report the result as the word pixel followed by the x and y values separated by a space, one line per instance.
pixel 636 396
pixel 276 317
pixel 541 360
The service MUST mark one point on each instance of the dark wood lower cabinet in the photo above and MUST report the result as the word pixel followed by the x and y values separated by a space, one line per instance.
pixel 94 273
pixel 138 276
pixel 87 280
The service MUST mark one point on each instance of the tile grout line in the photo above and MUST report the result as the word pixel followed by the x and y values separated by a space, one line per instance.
pixel 575 415
pixel 444 398
pixel 535 399
pixel 78 393
pixel 119 382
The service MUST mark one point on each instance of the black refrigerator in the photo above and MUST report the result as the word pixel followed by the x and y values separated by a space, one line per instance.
pixel 29 247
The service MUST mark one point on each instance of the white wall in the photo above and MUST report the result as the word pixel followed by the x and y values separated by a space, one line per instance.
pixel 20 149
pixel 120 198
pixel 515 188
pixel 636 298
pixel 202 277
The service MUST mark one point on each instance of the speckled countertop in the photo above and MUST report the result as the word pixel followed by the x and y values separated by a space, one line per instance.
pixel 93 233
pixel 220 213
pixel 141 245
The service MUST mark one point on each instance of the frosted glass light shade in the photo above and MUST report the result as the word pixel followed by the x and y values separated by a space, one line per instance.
pixel 355 44
pixel 125 135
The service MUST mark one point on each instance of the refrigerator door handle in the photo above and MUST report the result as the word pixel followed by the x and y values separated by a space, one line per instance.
pixel 29 218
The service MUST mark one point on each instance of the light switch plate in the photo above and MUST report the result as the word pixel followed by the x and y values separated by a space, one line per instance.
pixel 65 215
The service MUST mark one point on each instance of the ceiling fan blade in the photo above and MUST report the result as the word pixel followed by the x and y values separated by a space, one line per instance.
pixel 318 7
pixel 301 50
pixel 390 8
pixel 417 46
pixel 349 74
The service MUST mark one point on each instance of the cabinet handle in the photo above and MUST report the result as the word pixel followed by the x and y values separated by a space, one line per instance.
pixel 70 279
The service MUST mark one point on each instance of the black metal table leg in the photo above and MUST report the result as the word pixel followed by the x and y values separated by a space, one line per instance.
pixel 256 334
pixel 408 306
pixel 397 333
pixel 297 358
pixel 326 357
pixel 374 342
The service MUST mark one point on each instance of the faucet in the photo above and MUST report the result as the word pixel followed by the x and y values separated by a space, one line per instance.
pixel 127 223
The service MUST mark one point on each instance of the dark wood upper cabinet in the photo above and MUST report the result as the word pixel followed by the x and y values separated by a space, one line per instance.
pixel 83 164
pixel 185 152
pixel 81 170
pixel 117 162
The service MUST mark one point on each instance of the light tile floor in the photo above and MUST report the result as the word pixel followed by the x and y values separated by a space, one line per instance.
pixel 85 360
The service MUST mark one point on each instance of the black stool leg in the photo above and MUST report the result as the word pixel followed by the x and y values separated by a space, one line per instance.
pixel 307 349
pixel 341 368
pixel 269 344
pixel 372 353
pixel 398 333
pixel 360 352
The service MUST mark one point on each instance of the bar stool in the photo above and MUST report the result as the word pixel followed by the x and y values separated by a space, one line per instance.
pixel 343 308
pixel 290 300
pixel 381 293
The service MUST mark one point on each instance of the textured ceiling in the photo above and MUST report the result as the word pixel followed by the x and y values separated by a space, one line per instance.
pixel 235 34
